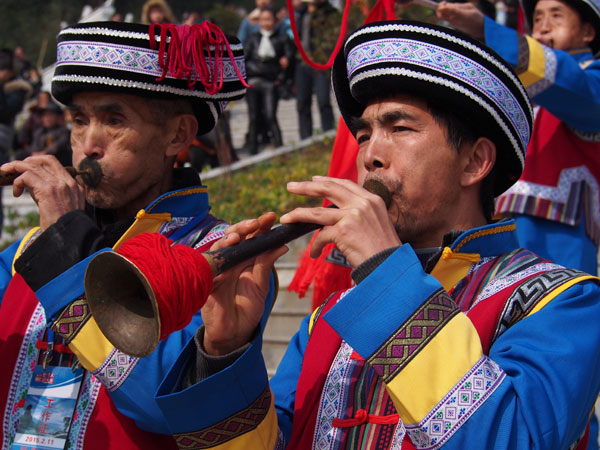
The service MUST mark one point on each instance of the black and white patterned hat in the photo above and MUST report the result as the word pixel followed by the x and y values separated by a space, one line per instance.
pixel 161 61
pixel 589 11
pixel 445 67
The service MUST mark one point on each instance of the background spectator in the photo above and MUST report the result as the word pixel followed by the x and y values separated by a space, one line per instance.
pixel 31 125
pixel 13 93
pixel 249 23
pixel 318 21
pixel 268 54
pixel 53 138
pixel 157 11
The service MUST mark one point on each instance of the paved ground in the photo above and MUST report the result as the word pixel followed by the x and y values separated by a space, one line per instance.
pixel 286 116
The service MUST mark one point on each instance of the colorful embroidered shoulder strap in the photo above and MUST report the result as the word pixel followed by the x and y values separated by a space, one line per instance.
pixel 322 346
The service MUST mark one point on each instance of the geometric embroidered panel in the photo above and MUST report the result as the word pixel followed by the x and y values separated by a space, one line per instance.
pixel 441 60
pixel 230 428
pixel 115 369
pixel 523 55
pixel 550 69
pixel 413 335
pixel 434 430
pixel 128 58
pixel 337 257
pixel 528 294
pixel 71 319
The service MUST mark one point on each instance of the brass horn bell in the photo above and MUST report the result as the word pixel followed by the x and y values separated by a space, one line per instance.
pixel 125 308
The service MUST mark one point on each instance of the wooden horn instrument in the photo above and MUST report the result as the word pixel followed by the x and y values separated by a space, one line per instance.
pixel 124 305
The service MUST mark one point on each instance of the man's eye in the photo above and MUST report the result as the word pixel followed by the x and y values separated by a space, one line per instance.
pixel 400 128
pixel 361 139
pixel 115 121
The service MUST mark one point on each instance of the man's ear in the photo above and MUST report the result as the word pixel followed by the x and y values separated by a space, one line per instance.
pixel 479 161
pixel 185 127
pixel 588 32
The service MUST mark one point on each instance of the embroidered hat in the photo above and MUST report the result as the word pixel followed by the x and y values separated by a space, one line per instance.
pixel 159 61
pixel 445 67
pixel 589 11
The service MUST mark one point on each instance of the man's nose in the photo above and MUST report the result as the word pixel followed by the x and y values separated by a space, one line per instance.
pixel 543 26
pixel 376 154
pixel 93 141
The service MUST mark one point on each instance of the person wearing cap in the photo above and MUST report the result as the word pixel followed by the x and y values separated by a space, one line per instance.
pixel 133 110
pixel 53 137
pixel 556 202
pixel 453 336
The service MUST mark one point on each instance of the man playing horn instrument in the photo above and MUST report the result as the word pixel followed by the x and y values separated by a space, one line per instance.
pixel 556 202
pixel 453 336
pixel 133 110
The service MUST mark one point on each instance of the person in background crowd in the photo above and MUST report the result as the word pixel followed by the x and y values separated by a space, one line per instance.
pixel 250 23
pixel 316 21
pixel 268 54
pixel 21 63
pixel 157 11
pixel 52 138
pixel 13 93
pixel 32 123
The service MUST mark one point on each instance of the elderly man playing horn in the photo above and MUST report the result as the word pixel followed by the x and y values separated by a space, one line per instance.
pixel 133 110
pixel 453 336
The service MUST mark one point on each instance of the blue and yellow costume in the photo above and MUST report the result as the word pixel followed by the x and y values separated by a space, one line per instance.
pixel 478 344
pixel 556 202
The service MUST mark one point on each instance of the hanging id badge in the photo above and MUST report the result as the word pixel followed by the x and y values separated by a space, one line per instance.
pixel 47 413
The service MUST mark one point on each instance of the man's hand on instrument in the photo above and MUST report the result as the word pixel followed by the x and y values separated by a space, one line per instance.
pixel 53 189
pixel 236 304
pixel 360 226
pixel 464 17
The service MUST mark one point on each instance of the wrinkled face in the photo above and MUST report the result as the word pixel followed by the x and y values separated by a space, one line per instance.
pixel 559 26
pixel 403 146
pixel 266 20
pixel 120 132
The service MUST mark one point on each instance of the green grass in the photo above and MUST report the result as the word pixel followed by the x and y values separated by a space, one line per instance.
pixel 261 188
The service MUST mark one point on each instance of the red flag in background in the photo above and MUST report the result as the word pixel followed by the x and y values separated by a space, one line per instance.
pixel 329 273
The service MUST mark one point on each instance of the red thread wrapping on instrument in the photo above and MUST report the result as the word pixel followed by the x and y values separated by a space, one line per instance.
pixel 180 277
pixel 185 57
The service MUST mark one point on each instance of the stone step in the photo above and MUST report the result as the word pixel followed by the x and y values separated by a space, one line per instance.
pixel 287 117
pixel 272 352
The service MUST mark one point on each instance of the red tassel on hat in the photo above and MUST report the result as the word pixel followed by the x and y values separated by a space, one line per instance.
pixel 185 57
